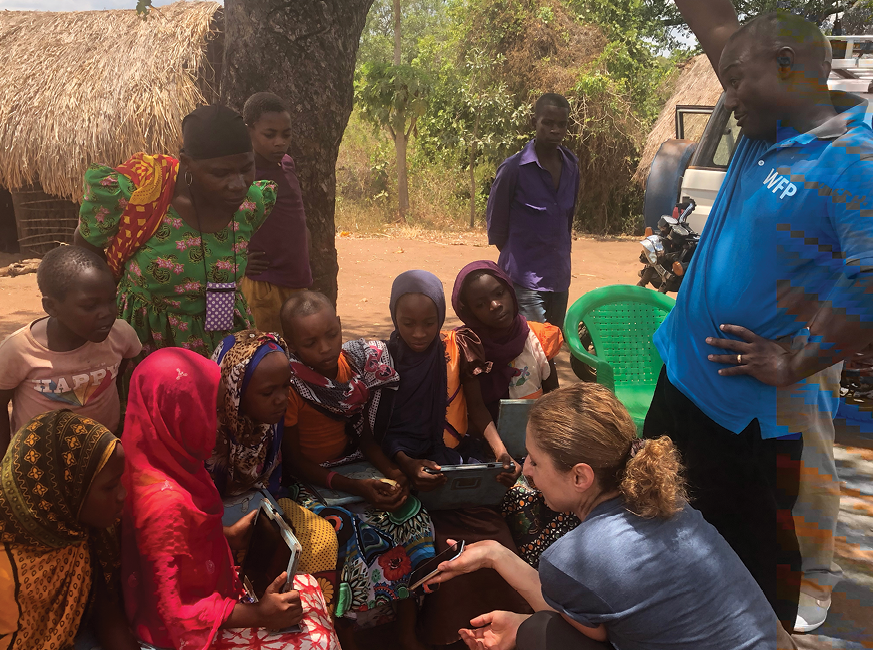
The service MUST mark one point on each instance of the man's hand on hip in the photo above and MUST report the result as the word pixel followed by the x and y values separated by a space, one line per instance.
pixel 770 362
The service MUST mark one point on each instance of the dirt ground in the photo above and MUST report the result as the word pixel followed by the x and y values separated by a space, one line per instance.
pixel 369 266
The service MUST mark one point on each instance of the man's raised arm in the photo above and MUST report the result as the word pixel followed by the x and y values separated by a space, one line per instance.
pixel 712 21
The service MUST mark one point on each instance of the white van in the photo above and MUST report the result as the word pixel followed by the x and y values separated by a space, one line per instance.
pixel 696 168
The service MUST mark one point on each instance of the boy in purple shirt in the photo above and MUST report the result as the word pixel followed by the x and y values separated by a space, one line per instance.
pixel 530 214
pixel 279 251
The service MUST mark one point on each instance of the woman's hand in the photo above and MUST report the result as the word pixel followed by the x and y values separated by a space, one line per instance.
pixel 494 630
pixel 240 533
pixel 276 611
pixel 383 495
pixel 508 478
pixel 479 555
pixel 414 469
pixel 257 262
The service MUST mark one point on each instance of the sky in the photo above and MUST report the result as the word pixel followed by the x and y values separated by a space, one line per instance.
pixel 72 5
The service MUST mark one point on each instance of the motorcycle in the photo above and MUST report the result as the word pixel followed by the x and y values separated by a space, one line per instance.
pixel 667 253
pixel 857 380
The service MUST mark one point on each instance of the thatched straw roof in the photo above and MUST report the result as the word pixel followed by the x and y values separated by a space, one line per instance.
pixel 698 85
pixel 96 86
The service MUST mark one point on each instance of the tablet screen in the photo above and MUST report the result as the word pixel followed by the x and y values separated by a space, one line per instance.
pixel 268 555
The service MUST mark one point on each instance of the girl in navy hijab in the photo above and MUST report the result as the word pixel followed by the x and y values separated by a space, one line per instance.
pixel 419 413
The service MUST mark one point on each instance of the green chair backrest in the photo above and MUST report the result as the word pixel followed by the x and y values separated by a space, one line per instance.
pixel 621 320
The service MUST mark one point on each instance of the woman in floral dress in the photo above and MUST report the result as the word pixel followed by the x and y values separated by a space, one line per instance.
pixel 179 249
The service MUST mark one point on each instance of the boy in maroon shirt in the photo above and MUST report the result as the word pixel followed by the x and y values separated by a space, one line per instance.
pixel 279 251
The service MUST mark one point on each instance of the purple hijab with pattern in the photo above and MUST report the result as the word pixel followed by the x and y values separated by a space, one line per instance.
pixel 501 346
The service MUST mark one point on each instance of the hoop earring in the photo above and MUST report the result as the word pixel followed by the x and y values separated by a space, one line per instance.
pixel 189 178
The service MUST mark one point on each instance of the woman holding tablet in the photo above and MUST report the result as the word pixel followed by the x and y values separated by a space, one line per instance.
pixel 180 585
pixel 643 570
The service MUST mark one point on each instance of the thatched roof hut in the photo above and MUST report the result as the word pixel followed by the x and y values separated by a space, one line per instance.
pixel 697 85
pixel 97 86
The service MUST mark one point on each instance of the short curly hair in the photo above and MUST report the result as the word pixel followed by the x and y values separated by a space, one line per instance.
pixel 60 269
pixel 550 99
pixel 261 103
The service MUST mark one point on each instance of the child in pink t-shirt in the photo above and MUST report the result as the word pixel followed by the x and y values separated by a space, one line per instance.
pixel 71 359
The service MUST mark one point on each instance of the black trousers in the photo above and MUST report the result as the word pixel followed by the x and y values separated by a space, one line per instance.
pixel 743 485
pixel 549 631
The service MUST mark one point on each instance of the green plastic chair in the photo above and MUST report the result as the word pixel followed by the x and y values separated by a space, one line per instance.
pixel 621 320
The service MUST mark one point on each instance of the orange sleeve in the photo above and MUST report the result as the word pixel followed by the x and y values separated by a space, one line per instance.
pixel 292 413
pixel 344 373
pixel 9 611
pixel 549 336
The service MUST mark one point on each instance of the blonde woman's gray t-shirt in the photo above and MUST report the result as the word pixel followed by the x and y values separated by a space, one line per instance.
pixel 657 583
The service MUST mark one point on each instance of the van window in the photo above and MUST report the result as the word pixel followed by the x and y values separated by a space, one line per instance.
pixel 691 121
pixel 726 144
pixel 693 125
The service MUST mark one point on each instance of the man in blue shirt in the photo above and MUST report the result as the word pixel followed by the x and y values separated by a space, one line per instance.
pixel 778 293
pixel 530 214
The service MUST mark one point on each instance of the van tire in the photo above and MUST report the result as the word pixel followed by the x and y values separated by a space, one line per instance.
pixel 665 179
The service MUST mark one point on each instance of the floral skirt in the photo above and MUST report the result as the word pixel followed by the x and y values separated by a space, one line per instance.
pixel 534 526
pixel 377 550
pixel 316 628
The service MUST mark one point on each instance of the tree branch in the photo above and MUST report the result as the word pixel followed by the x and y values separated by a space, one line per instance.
pixel 411 126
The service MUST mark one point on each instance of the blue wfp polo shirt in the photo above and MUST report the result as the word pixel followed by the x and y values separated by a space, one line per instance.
pixel 790 230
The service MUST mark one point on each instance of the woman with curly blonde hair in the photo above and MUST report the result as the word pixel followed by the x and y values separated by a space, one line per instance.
pixel 643 570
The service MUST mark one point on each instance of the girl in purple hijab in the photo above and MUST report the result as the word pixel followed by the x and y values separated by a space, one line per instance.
pixel 521 353
pixel 492 312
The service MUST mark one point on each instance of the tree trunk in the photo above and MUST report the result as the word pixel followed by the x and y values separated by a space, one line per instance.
pixel 304 51
pixel 400 138
pixel 473 171
pixel 402 181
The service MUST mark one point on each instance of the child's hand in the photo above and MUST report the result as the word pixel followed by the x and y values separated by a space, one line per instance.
pixel 257 262
pixel 425 481
pixel 276 610
pixel 240 533
pixel 414 469
pixel 382 495
pixel 508 478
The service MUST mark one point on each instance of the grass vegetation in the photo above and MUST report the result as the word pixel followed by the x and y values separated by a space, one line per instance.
pixel 476 67
pixel 367 187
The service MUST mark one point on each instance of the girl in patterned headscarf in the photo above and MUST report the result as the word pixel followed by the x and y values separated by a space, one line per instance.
pixel 251 411
pixel 256 377
pixel 60 496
